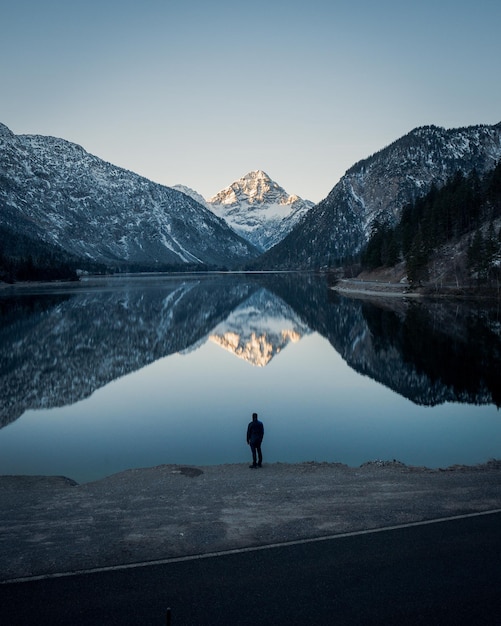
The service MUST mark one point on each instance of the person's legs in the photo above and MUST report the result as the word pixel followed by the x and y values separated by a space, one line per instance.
pixel 259 455
pixel 253 450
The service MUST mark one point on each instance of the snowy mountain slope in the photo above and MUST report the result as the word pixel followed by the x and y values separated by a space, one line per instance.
pixel 188 191
pixel 53 190
pixel 378 187
pixel 258 209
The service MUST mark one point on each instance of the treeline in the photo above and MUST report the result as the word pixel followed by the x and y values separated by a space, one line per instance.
pixel 22 259
pixel 164 268
pixel 466 205
pixel 25 259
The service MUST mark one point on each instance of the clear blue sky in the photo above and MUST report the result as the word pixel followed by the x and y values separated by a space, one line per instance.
pixel 200 92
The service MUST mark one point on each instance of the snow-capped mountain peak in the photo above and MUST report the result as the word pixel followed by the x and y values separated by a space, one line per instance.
pixel 259 209
pixel 255 187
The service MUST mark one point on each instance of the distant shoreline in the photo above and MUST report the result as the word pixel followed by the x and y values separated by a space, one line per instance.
pixel 374 288
pixel 388 289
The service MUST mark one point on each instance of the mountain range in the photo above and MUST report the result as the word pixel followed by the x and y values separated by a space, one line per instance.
pixel 377 188
pixel 53 192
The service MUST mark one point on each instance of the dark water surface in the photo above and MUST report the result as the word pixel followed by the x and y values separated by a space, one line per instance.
pixel 116 373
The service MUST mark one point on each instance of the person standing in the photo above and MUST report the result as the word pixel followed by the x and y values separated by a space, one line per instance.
pixel 255 434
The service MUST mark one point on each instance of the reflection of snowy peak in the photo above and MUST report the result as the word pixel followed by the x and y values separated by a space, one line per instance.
pixel 71 343
pixel 258 209
pixel 259 328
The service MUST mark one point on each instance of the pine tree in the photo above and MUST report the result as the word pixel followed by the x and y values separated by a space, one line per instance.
pixel 417 259
pixel 474 249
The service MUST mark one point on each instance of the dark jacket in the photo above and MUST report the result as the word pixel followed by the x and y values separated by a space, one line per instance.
pixel 255 432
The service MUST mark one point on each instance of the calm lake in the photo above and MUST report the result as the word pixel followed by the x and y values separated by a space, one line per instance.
pixel 117 373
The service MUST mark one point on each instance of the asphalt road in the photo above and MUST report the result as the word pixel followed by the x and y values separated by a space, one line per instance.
pixel 441 573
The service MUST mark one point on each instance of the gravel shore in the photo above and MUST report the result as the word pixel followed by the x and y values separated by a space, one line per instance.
pixel 52 525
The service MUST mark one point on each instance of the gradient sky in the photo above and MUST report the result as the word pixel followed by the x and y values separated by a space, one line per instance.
pixel 199 93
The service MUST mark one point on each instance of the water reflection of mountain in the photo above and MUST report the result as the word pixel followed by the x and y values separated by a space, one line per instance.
pixel 259 328
pixel 57 349
pixel 428 351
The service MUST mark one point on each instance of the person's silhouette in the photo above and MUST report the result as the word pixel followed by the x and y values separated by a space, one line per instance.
pixel 255 434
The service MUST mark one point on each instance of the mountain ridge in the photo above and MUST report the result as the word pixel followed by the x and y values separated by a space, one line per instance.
pixel 55 191
pixel 256 207
pixel 377 188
